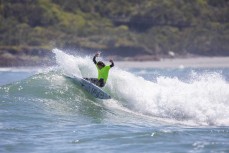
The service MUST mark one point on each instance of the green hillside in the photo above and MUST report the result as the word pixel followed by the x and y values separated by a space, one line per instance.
pixel 123 27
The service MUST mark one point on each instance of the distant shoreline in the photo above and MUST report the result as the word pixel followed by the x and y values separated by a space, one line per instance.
pixel 37 57
pixel 193 62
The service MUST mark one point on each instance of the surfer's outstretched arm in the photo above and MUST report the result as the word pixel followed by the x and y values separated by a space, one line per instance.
pixel 94 58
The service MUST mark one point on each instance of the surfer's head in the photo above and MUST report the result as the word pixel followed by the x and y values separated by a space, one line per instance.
pixel 100 64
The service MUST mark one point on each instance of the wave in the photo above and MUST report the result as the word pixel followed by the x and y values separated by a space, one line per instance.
pixel 203 100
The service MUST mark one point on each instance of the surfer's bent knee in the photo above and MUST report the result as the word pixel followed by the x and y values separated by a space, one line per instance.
pixel 101 83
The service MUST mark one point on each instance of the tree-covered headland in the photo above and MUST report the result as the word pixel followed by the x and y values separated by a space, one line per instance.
pixel 120 27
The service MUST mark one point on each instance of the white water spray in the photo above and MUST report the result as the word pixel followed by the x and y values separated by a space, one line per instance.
pixel 204 100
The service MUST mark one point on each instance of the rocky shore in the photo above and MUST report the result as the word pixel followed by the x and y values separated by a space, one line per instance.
pixel 27 57
pixel 24 56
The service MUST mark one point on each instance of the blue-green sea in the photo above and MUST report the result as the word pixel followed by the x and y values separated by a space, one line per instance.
pixel 157 110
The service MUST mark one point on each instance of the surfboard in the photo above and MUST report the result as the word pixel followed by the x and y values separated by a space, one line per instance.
pixel 91 88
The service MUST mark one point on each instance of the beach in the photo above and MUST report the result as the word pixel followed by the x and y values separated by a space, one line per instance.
pixel 196 62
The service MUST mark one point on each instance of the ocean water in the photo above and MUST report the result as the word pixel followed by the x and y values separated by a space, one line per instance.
pixel 151 110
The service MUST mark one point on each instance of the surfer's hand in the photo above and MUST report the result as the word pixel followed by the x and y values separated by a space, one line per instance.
pixel 97 53
pixel 111 61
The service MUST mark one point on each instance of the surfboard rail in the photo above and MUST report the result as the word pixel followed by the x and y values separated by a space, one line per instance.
pixel 91 88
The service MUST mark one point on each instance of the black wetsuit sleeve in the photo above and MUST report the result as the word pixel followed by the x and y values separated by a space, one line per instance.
pixel 94 59
pixel 112 64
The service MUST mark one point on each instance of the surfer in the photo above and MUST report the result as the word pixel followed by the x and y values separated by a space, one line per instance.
pixel 103 71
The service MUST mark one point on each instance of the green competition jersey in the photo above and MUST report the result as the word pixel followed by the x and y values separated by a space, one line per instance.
pixel 103 73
